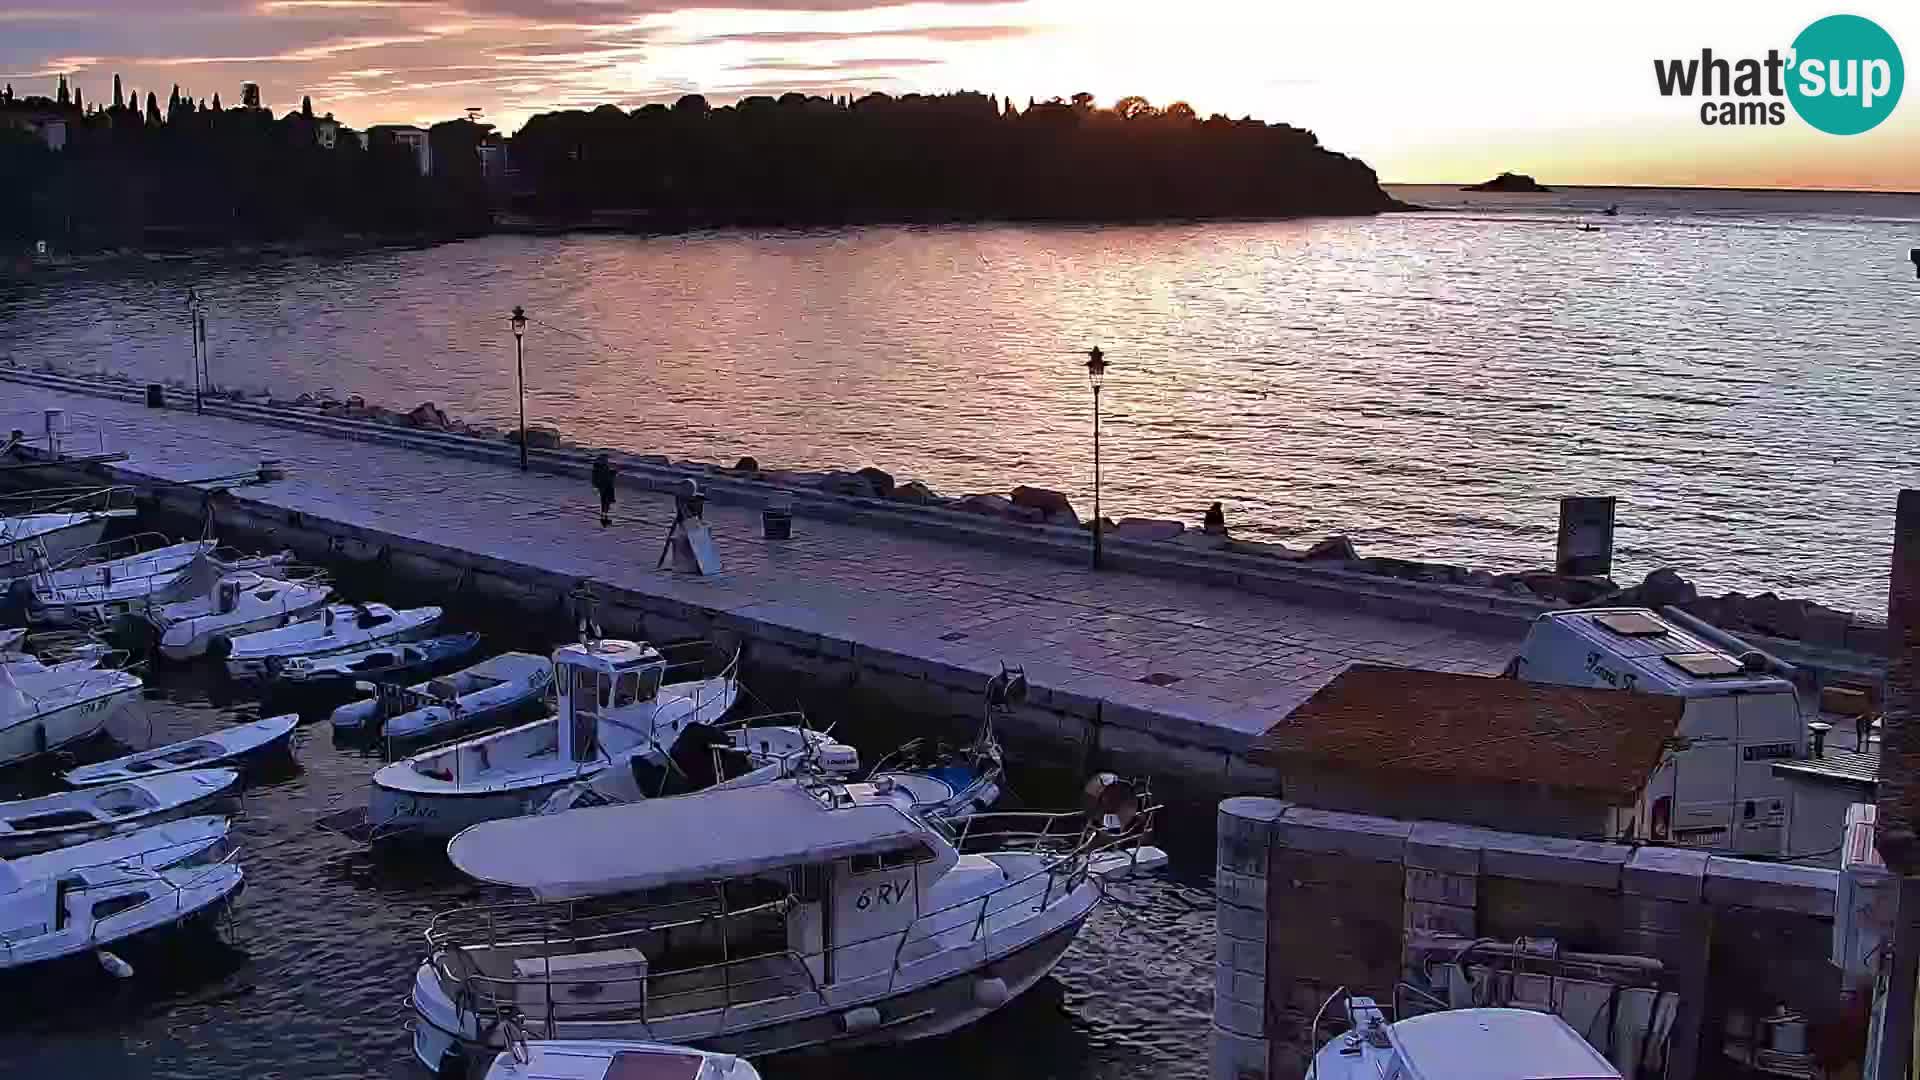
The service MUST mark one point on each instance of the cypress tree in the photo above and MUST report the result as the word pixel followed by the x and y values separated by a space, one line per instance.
pixel 153 108
pixel 61 96
pixel 118 101
pixel 306 106
pixel 76 100
pixel 216 101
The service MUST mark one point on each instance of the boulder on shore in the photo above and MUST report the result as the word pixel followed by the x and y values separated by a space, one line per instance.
pixel 427 415
pixel 880 480
pixel 913 491
pixel 847 483
pixel 1051 505
pixel 998 506
pixel 1134 528
pixel 747 464
pixel 1333 549
pixel 538 438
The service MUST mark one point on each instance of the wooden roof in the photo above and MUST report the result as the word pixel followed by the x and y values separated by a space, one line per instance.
pixel 1476 727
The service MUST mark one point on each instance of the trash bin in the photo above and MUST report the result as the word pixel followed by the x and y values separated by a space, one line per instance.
pixel 156 396
pixel 777 522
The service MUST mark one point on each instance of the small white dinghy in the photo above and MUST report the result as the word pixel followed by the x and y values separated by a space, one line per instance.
pixel 484 694
pixel 75 817
pixel 43 708
pixel 614 1060
pixel 613 707
pixel 231 746
pixel 236 604
pixel 340 628
pixel 94 895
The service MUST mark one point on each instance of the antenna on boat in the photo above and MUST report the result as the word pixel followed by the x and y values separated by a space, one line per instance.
pixel 584 606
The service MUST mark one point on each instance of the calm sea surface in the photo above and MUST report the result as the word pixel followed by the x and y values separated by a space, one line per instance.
pixel 1738 368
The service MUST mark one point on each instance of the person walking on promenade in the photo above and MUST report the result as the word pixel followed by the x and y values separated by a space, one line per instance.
pixel 603 475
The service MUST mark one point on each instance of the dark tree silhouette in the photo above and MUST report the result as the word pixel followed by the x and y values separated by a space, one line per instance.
pixel 306 106
pixel 78 106
pixel 118 101
pixel 216 101
pixel 153 109
pixel 61 96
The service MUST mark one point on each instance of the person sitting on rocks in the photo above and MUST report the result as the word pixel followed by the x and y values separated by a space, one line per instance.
pixel 1215 523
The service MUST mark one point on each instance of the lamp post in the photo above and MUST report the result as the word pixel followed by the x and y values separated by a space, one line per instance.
pixel 519 324
pixel 197 333
pixel 1096 374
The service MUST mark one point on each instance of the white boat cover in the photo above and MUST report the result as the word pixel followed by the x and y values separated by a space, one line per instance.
pixel 1496 1044
pixel 710 835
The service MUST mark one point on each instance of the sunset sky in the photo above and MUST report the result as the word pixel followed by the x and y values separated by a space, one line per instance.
pixel 1426 92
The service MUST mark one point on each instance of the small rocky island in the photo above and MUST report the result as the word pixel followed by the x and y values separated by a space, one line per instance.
pixel 1508 181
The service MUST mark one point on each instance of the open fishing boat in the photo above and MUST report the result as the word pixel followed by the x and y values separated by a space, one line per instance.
pixel 46 707
pixel 340 628
pixel 235 604
pixel 761 919
pixel 101 594
pixel 377 663
pixel 49 526
pixel 602 1060
pixel 484 695
pixel 757 750
pixel 99 894
pixel 75 817
pixel 234 746
pixel 155 847
pixel 953 782
pixel 614 704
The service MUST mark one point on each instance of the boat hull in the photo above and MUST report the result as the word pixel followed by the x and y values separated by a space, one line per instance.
pixel 74 723
pixel 935 1008
pixel 439 816
pixel 198 911
pixel 59 544
pixel 194 645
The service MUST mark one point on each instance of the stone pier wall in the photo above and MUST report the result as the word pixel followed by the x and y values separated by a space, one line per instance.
pixel 1344 893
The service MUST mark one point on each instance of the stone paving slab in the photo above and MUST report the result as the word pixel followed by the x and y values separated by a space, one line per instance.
pixel 1240 661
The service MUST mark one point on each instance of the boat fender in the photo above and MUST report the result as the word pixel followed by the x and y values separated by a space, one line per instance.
pixel 219 647
pixel 114 966
pixel 865 1018
pixel 990 993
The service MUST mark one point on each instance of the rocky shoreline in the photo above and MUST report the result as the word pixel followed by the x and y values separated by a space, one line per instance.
pixel 1766 613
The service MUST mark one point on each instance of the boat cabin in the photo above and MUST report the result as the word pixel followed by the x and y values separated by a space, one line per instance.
pixel 730 909
pixel 597 679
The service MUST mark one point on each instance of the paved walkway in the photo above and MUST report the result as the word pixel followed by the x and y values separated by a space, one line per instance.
pixel 1241 661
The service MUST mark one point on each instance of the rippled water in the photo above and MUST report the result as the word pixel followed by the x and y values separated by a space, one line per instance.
pixel 1739 368
pixel 326 939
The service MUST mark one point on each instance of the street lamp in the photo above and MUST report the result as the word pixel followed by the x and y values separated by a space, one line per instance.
pixel 197 334
pixel 1096 374
pixel 519 324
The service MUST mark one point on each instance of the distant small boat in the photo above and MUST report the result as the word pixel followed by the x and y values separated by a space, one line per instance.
pixel 1613 211
pixel 229 746
pixel 376 664
pixel 74 817
pixel 1589 228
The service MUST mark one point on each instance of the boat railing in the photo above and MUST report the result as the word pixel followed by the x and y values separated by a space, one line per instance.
pixel 118 549
pixel 551 930
pixel 67 500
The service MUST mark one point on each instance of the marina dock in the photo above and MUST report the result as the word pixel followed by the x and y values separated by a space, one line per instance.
pixel 1131 668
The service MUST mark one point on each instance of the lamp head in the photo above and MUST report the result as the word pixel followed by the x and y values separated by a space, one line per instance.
pixel 1096 366
pixel 519 321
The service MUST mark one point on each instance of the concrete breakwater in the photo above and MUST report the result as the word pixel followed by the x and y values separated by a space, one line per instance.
pixel 1803 623
pixel 1170 662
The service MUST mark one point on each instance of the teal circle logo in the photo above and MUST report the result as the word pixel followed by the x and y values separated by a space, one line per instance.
pixel 1846 75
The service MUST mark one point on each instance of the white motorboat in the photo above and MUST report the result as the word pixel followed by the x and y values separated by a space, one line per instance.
pixel 760 919
pixel 613 707
pixel 340 628
pixel 386 663
pixel 757 750
pixel 155 847
pixel 102 593
pixel 238 603
pixel 1459 1044
pixel 75 817
pixel 483 695
pixel 52 525
pixel 46 707
pixel 101 898
pixel 233 746
pixel 601 1060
